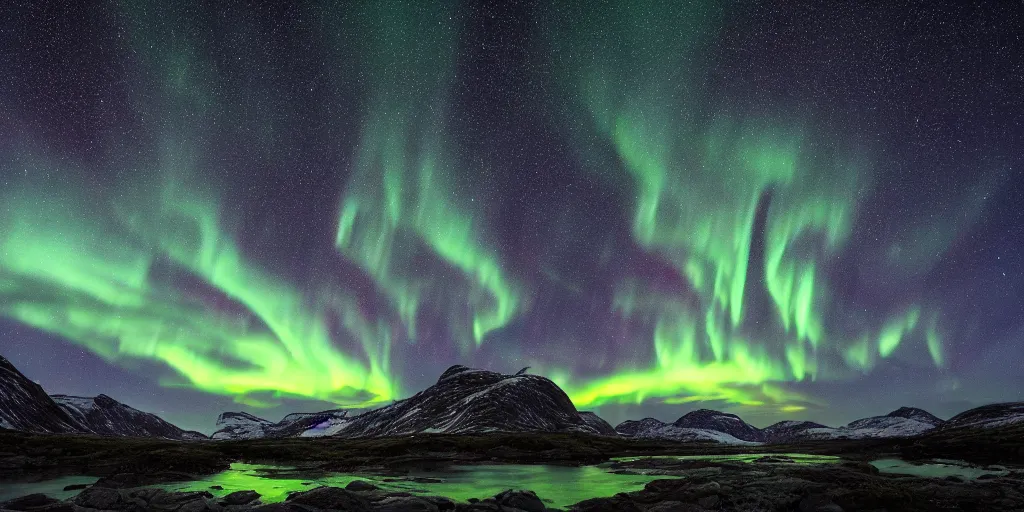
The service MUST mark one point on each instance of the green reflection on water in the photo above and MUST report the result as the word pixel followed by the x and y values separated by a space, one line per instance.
pixel 934 469
pixel 53 488
pixel 558 486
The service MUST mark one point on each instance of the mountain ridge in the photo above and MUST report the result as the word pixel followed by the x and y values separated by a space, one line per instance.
pixel 107 416
pixel 463 400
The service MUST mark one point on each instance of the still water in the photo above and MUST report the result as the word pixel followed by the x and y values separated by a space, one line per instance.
pixel 558 486
pixel 936 469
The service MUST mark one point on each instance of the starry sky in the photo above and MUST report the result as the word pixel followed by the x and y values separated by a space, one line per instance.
pixel 787 210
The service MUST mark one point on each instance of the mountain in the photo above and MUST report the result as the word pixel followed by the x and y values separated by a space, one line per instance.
pixel 707 419
pixel 920 415
pixel 903 422
pixel 107 417
pixel 313 424
pixel 789 430
pixel 709 425
pixel 651 428
pixel 598 423
pixel 25 406
pixel 988 416
pixel 466 400
pixel 240 425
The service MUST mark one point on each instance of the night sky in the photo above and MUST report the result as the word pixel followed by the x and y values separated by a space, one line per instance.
pixel 787 211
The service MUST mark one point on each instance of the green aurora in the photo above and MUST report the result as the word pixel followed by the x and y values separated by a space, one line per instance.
pixel 753 209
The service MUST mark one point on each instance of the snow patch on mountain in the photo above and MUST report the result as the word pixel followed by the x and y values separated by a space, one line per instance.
pixel 240 425
pixel 106 416
pixel 988 416
pixel 598 423
pixel 651 428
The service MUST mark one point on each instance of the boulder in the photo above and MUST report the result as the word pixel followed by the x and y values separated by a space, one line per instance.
pixel 330 497
pixel 522 500
pixel 240 498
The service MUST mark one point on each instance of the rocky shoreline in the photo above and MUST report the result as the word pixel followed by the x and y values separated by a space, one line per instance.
pixel 771 483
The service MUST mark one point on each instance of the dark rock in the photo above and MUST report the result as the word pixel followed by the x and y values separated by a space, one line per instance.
pixel 818 503
pixel 617 503
pixel 711 501
pixel 75 487
pixel 29 502
pixel 522 500
pixel 441 502
pixel 240 498
pixel 102 498
pixel 217 487
pixel 862 467
pixel 480 506
pixel 282 507
pixel 360 485
pixel 119 481
pixel 404 504
pixel 675 506
pixel 330 497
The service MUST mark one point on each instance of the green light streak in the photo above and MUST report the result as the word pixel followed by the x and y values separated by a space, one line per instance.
pixel 893 332
pixel 92 268
pixel 934 340
pixel 705 183
pixel 400 199
pixel 88 277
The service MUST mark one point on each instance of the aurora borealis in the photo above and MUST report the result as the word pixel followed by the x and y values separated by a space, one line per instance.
pixel 776 210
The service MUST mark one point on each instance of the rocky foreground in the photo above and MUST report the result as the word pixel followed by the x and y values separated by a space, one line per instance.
pixel 772 483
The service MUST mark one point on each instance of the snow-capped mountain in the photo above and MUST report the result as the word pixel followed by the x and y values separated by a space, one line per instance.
pixel 599 424
pixel 707 419
pixel 708 425
pixel 651 428
pixel 789 430
pixel 107 417
pixel 988 416
pixel 311 424
pixel 466 400
pixel 240 425
pixel 903 422
pixel 25 406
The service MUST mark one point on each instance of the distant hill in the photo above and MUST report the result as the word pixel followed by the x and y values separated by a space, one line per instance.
pixel 25 406
pixel 107 417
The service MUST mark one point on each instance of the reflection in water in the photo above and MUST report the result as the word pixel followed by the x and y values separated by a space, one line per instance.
pixel 53 488
pixel 558 486
pixel 936 469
